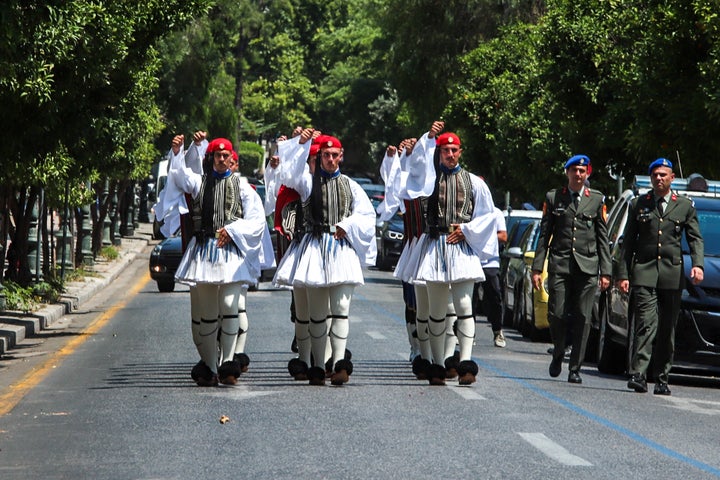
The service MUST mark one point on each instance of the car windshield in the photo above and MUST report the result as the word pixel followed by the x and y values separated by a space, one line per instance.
pixel 710 228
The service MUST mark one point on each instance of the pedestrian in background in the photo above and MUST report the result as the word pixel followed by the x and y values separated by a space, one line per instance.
pixel 492 291
pixel 652 264
pixel 573 233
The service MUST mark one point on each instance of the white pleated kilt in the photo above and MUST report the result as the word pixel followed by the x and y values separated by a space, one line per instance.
pixel 435 260
pixel 286 267
pixel 204 262
pixel 319 262
pixel 404 269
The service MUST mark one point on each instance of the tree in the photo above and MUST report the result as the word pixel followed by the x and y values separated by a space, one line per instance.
pixel 621 81
pixel 77 80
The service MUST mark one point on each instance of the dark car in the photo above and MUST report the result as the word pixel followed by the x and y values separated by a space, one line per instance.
pixel 697 334
pixel 390 242
pixel 510 250
pixel 164 261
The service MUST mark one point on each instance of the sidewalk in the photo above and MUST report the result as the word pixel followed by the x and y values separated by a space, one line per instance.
pixel 17 326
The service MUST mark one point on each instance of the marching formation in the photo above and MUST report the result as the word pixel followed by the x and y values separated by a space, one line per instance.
pixel 326 237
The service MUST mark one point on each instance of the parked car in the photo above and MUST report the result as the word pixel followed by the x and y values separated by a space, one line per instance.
pixel 390 242
pixel 697 334
pixel 525 309
pixel 164 261
pixel 512 216
pixel 510 250
pixel 375 191
pixel 534 321
pixel 516 221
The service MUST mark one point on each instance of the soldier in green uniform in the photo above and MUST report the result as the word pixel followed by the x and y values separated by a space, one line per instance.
pixel 653 259
pixel 574 233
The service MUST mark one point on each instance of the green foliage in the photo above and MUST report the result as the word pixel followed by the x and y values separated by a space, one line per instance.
pixel 251 157
pixel 46 292
pixel 77 85
pixel 623 82
pixel 19 298
pixel 109 253
pixel 78 274
pixel 28 299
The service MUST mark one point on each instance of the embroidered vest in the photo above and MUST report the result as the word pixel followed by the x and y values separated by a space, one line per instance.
pixel 218 204
pixel 337 203
pixel 455 199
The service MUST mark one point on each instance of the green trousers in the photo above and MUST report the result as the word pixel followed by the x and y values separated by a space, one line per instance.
pixel 655 315
pixel 571 299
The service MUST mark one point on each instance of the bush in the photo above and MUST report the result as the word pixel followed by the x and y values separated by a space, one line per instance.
pixel 46 292
pixel 109 253
pixel 19 298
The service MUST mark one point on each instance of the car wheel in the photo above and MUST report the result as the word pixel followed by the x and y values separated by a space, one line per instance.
pixel 166 285
pixel 611 357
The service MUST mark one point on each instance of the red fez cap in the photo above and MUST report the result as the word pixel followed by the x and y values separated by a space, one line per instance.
pixel 447 138
pixel 315 145
pixel 235 155
pixel 219 144
pixel 326 141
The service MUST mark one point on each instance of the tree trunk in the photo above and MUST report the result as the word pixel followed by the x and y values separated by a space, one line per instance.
pixel 19 267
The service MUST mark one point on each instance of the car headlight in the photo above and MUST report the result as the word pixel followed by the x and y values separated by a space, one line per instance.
pixel 394 235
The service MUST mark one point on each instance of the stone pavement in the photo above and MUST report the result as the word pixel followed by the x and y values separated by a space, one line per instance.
pixel 17 326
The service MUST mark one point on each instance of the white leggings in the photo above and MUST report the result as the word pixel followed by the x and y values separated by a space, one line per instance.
pixel 302 324
pixel 218 303
pixel 329 303
pixel 438 310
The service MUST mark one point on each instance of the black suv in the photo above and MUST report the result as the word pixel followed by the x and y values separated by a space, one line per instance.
pixel 697 335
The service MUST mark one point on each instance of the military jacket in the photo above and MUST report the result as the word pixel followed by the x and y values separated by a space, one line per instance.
pixel 652 249
pixel 574 233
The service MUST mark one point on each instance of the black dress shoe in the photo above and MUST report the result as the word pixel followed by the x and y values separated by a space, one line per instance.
pixel 555 366
pixel 574 377
pixel 661 388
pixel 638 383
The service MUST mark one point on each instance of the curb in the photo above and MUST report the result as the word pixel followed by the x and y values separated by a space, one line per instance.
pixel 16 326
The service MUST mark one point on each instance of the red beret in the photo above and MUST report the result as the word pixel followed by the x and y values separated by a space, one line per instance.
pixel 448 138
pixel 235 155
pixel 219 144
pixel 326 141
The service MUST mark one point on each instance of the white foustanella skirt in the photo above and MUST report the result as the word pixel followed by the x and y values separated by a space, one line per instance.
pixel 319 262
pixel 204 262
pixel 435 260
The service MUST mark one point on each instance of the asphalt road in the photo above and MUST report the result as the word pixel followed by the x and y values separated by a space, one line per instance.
pixel 110 397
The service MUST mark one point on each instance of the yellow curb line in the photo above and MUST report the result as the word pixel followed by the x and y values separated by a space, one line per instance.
pixel 9 400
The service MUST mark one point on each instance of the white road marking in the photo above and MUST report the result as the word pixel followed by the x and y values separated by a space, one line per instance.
pixel 466 392
pixel 376 335
pixel 238 392
pixel 553 450
pixel 703 407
